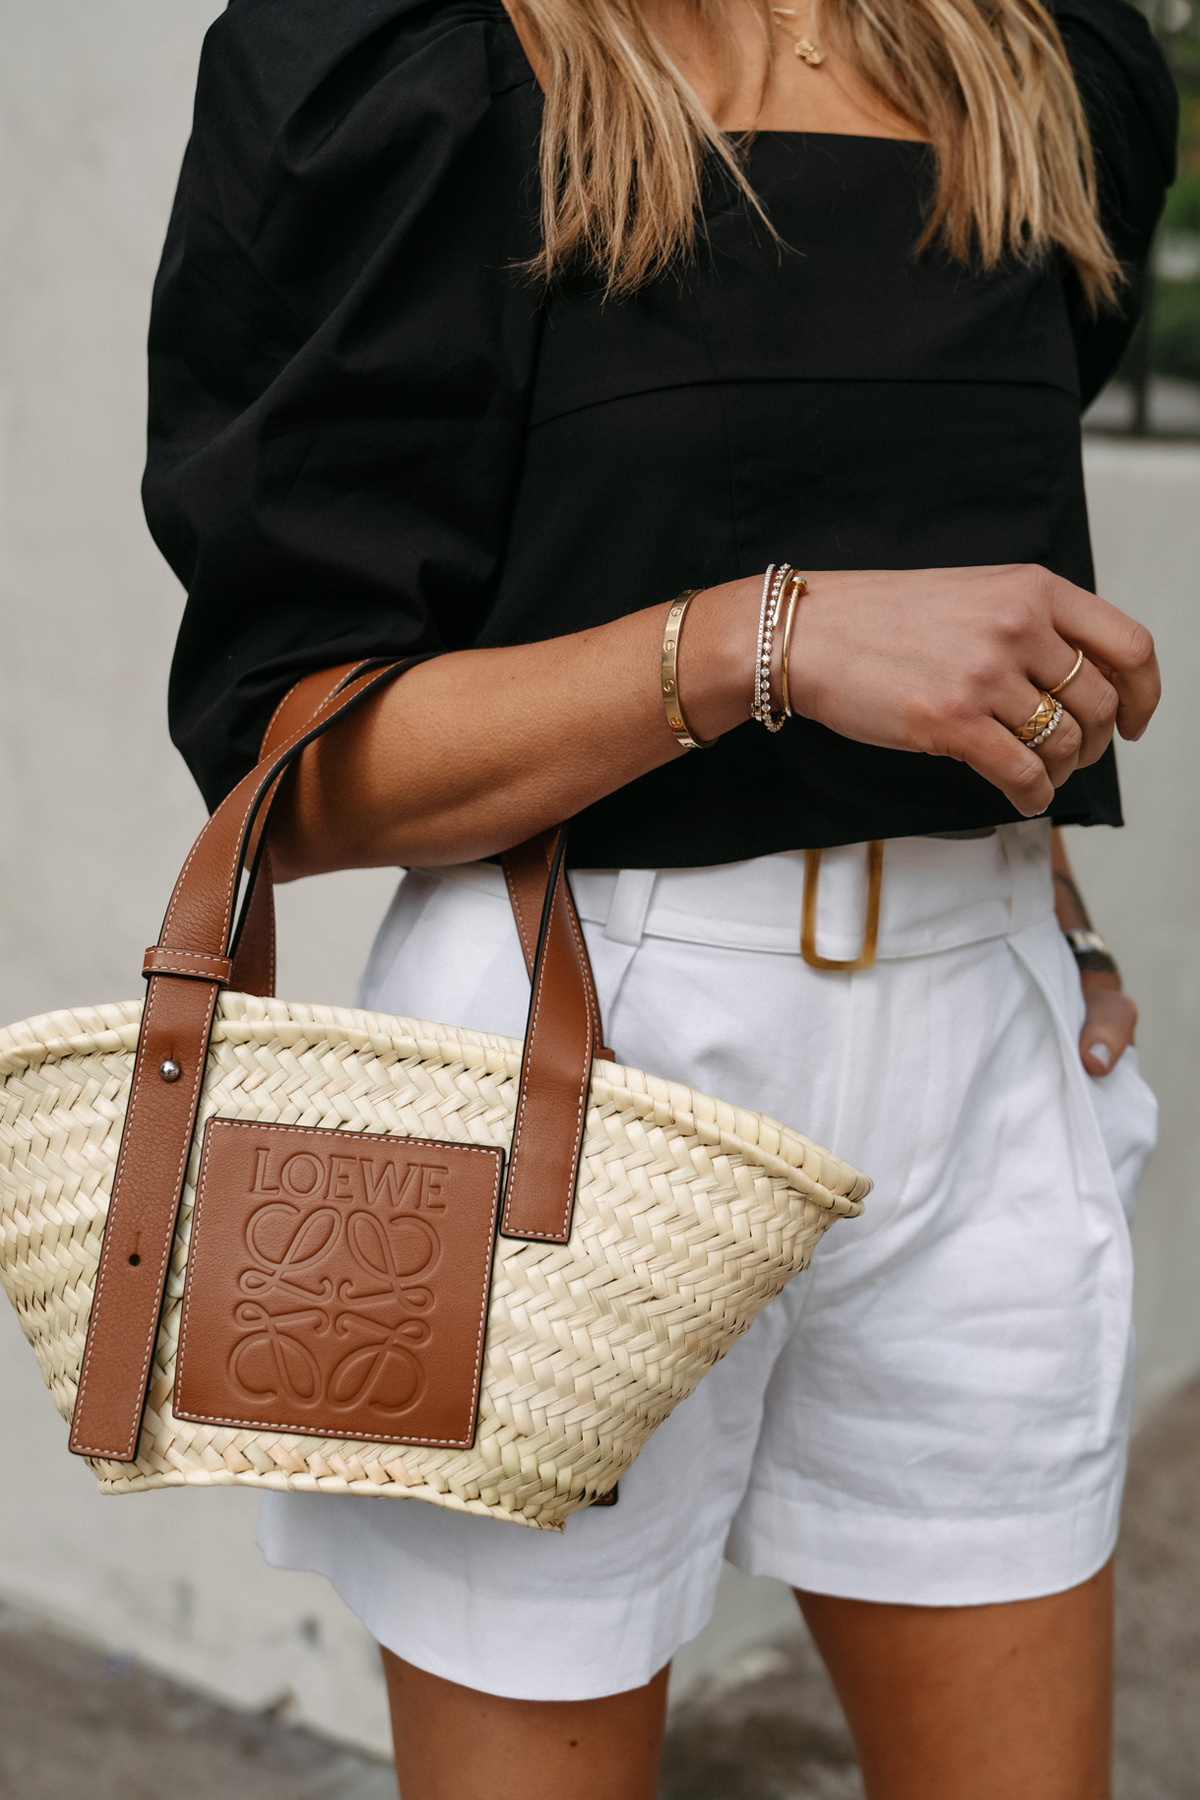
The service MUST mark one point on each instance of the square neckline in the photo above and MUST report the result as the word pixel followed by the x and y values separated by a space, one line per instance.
pixel 752 132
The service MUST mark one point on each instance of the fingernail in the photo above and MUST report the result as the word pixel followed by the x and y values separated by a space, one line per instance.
pixel 1101 1052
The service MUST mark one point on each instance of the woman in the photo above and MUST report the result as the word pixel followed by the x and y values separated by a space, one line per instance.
pixel 446 369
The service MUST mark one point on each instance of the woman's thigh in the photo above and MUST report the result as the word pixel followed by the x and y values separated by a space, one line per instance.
pixel 452 1741
pixel 1008 1702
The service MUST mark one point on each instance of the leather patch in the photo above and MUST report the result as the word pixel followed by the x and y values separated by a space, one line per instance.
pixel 337 1284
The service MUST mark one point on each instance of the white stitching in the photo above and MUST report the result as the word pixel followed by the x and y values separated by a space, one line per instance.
pixel 585 967
pixel 209 972
pixel 505 1222
pixel 529 949
pixel 166 1256
pixel 271 721
pixel 336 689
pixel 204 956
pixel 365 1437
pixel 341 696
pixel 269 875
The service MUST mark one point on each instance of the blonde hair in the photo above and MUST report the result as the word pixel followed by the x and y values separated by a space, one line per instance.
pixel 626 140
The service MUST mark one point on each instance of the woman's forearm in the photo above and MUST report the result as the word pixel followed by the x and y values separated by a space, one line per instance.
pixel 1069 908
pixel 479 749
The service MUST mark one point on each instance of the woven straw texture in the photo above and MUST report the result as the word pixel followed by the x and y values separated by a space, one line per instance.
pixel 691 1215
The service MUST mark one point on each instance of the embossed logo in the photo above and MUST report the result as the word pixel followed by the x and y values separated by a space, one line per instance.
pixel 337 1283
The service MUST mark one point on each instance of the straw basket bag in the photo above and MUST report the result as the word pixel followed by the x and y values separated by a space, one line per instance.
pixel 318 1249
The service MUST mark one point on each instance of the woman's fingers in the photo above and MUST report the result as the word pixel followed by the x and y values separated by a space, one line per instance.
pixel 1139 690
pixel 1092 701
pixel 1021 774
pixel 952 662
pixel 1060 752
pixel 1108 1027
pixel 1089 704
pixel 1117 646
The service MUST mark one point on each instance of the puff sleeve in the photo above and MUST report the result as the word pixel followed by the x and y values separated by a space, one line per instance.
pixel 341 348
pixel 1133 115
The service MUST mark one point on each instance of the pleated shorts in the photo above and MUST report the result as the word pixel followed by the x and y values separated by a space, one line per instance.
pixel 937 1412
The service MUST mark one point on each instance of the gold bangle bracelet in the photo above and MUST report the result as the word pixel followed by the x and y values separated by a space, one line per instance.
pixel 670 674
pixel 799 587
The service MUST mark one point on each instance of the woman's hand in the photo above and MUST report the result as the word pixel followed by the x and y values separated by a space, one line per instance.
pixel 1110 1015
pixel 949 661
pixel 1109 1025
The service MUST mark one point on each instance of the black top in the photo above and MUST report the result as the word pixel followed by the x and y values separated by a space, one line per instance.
pixel 370 435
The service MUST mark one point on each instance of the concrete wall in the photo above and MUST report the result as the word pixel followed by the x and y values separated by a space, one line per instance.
pixel 97 813
pixel 1143 883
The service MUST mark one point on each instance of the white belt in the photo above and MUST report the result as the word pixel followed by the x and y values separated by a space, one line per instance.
pixel 936 895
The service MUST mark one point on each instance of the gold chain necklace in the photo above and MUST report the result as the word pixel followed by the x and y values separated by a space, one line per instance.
pixel 804 47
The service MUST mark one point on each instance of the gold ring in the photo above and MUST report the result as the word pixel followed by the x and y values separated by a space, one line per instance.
pixel 1049 729
pixel 1048 709
pixel 1074 672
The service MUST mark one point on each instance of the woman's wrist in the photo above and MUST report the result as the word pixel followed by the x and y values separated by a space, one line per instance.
pixel 1094 980
pixel 1095 961
pixel 1092 955
pixel 716 656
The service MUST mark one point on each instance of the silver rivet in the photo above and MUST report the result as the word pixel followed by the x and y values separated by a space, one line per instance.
pixel 170 1071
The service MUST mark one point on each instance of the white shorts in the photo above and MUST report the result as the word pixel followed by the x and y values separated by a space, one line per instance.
pixel 937 1412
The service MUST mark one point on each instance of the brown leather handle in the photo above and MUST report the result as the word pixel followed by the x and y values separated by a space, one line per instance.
pixel 185 972
pixel 526 869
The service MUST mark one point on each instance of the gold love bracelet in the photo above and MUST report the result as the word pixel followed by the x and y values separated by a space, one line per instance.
pixel 670 674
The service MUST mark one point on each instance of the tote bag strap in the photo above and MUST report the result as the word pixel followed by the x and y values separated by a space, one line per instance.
pixel 526 869
pixel 196 955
